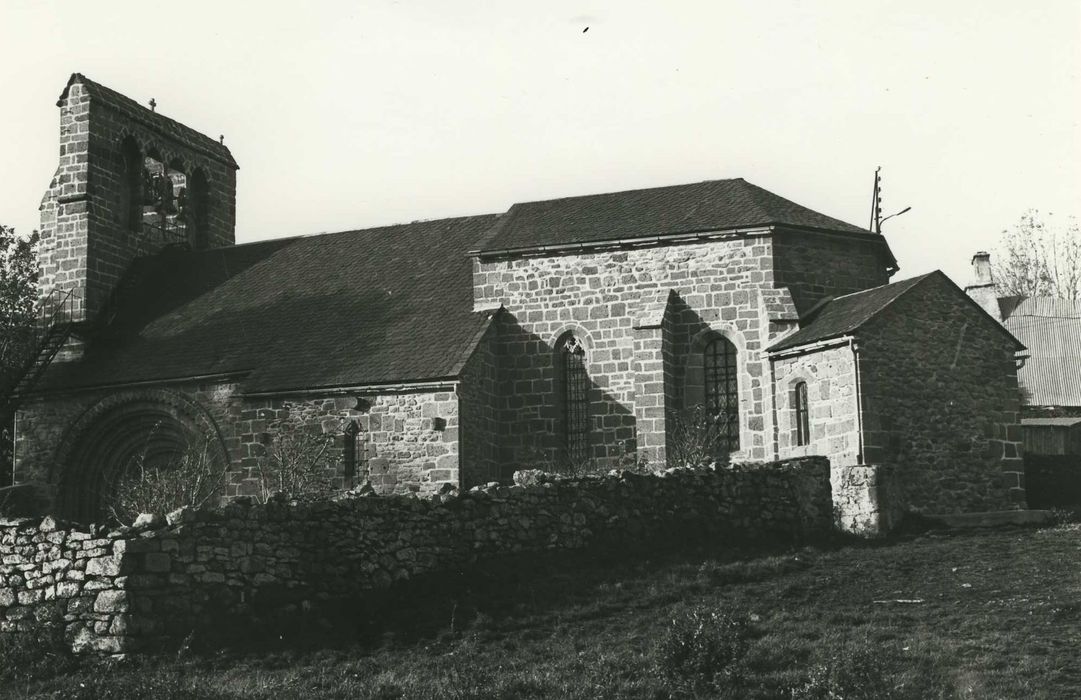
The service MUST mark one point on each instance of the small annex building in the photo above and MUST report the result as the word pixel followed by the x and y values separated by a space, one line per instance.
pixel 573 331
pixel 1050 383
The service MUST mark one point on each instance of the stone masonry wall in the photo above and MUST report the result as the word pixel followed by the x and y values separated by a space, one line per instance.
pixel 867 498
pixel 599 297
pixel 830 375
pixel 478 413
pixel 813 267
pixel 66 577
pixel 406 441
pixel 941 401
pixel 86 244
pixel 137 588
pixel 727 286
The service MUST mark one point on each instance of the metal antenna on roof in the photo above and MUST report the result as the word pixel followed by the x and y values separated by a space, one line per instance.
pixel 876 205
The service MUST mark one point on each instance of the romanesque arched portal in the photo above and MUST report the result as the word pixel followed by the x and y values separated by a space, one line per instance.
pixel 154 428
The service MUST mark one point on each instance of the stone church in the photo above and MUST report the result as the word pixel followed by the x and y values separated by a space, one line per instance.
pixel 570 331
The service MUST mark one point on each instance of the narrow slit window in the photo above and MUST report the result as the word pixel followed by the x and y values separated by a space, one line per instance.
pixel 803 415
pixel 722 389
pixel 575 401
pixel 349 450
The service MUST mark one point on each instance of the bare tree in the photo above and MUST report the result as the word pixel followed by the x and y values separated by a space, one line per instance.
pixel 1039 256
pixel 194 478
pixel 300 461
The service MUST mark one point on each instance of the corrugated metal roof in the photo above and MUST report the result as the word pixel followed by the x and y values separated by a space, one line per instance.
pixel 1051 329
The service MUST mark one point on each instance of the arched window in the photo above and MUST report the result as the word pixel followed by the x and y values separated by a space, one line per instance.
pixel 349 451
pixel 803 414
pixel 576 421
pixel 721 388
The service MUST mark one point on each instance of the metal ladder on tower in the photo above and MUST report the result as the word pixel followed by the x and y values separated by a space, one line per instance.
pixel 53 327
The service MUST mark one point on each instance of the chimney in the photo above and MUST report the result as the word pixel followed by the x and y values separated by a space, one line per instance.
pixel 982 289
pixel 981 268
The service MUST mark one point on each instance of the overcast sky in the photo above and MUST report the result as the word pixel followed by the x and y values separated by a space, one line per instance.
pixel 353 114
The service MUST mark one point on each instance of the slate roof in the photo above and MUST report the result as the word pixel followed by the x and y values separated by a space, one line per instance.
pixel 378 306
pixel 159 122
pixel 1051 330
pixel 715 205
pixel 844 314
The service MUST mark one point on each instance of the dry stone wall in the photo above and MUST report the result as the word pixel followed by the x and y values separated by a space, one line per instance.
pixel 137 588
pixel 53 575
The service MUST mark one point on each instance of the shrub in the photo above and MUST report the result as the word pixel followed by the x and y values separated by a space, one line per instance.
pixel 702 651
pixel 856 673
pixel 193 478
pixel 697 437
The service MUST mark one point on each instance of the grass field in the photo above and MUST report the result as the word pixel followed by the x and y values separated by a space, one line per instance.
pixel 985 615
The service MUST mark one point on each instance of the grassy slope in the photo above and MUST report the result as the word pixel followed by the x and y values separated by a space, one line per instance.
pixel 1000 617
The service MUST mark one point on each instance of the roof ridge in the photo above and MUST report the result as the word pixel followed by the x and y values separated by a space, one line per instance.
pixel 305 236
pixel 630 191
pixel 913 280
pixel 760 193
pixel 754 192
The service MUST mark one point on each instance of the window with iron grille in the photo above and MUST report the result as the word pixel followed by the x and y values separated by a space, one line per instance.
pixel 803 415
pixel 575 400
pixel 722 389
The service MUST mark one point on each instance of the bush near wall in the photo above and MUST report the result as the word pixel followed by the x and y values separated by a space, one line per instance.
pixel 149 585
pixel 1053 480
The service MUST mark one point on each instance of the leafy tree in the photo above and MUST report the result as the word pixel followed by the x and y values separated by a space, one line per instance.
pixel 1039 256
pixel 18 292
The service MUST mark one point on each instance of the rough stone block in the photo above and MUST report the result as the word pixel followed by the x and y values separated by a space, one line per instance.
pixel 110 601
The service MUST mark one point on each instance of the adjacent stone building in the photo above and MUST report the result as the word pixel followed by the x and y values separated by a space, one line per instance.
pixel 570 333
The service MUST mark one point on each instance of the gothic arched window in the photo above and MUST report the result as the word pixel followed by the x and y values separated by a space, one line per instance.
pixel 721 388
pixel 802 414
pixel 575 379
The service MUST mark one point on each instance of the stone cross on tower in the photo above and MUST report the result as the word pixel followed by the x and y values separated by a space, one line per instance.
pixel 153 105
